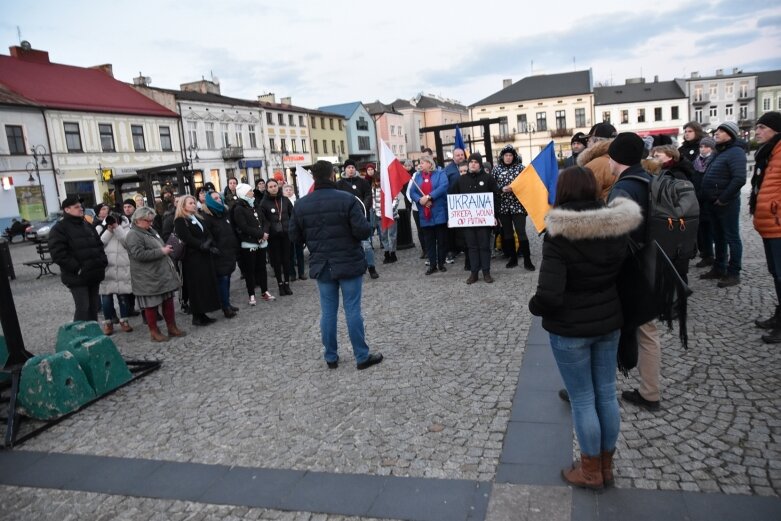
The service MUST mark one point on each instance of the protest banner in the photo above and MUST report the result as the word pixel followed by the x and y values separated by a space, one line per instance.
pixel 466 210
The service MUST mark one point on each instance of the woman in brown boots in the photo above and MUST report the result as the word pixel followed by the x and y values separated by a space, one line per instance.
pixel 582 253
pixel 152 273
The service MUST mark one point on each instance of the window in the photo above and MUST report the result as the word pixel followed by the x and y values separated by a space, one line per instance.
pixel 165 139
pixel 292 145
pixel 226 140
pixel 362 124
pixel 281 119
pixel 765 104
pixel 394 150
pixel 743 112
pixel 139 144
pixel 561 120
pixel 303 146
pixel 728 112
pixel 192 133
pixel 301 121
pixel 606 116
pixel 322 123
pixel 674 112
pixel 239 134
pixel 580 118
pixel 269 118
pixel 333 146
pixel 542 122
pixel 106 137
pixel 341 126
pixel 698 93
pixel 314 146
pixel 713 90
pixel 743 90
pixel 729 90
pixel 523 125
pixel 698 115
pixel 314 122
pixel 325 147
pixel 16 140
pixel 658 114
pixel 341 146
pixel 291 120
pixel 714 111
pixel 210 135
pixel 272 144
pixel 641 115
pixel 392 130
pixel 331 123
pixel 503 131
pixel 624 116
pixel 253 140
pixel 283 142
pixel 363 143
pixel 73 137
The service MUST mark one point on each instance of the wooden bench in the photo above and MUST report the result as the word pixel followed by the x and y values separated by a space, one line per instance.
pixel 44 262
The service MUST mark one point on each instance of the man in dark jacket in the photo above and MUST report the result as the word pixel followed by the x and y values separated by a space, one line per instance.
pixel 352 183
pixel 579 142
pixel 76 248
pixel 625 153
pixel 721 185
pixel 478 238
pixel 333 225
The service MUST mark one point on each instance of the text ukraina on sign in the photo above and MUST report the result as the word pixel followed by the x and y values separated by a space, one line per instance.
pixel 465 210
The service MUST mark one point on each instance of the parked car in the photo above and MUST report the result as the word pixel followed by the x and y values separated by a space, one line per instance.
pixel 39 230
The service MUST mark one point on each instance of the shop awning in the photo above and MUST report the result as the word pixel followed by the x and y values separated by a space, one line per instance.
pixel 659 132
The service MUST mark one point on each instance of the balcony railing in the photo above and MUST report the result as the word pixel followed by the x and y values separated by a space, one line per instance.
pixel 561 132
pixel 702 100
pixel 233 153
pixel 745 123
pixel 503 138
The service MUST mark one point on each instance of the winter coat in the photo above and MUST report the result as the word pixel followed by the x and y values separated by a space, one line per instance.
pixel 438 195
pixel 248 222
pixel 504 175
pixel 151 271
pixel 477 183
pixel 636 191
pixel 332 223
pixel 76 248
pixel 198 271
pixel 766 215
pixel 452 173
pixel 595 158
pixel 117 280
pixel 225 240
pixel 726 173
pixel 360 188
pixel 229 198
pixel 582 254
pixel 277 211
pixel 690 150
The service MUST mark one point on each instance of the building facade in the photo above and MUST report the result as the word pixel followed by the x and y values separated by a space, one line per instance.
pixel 723 97
pixel 768 92
pixel 390 127
pixel 429 111
pixel 328 132
pixel 287 129
pixel 360 130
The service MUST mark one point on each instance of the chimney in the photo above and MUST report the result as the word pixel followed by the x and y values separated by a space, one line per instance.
pixel 735 70
pixel 719 72
pixel 267 98
pixel 695 74
pixel 286 100
pixel 656 78
pixel 28 54
pixel 141 80
pixel 203 86
pixel 630 81
pixel 506 83
pixel 106 67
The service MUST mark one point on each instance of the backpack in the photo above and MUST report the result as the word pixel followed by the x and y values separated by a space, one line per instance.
pixel 673 215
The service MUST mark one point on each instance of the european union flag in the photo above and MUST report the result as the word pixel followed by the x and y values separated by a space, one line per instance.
pixel 459 140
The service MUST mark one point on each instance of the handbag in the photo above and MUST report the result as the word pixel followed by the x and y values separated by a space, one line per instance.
pixel 178 247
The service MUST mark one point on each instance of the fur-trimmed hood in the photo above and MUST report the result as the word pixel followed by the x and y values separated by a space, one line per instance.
pixel 619 217
pixel 593 152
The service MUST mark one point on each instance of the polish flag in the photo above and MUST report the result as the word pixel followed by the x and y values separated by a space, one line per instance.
pixel 305 181
pixel 393 177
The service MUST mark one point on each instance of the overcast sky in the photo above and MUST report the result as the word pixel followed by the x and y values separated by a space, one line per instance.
pixel 336 51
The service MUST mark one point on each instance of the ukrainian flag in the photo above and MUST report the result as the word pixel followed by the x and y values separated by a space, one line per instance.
pixel 535 186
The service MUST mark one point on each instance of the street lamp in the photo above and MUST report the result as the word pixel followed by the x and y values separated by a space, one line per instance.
pixel 192 150
pixel 529 130
pixel 38 151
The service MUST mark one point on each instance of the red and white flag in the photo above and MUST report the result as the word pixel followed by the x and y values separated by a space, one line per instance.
pixel 305 181
pixel 393 177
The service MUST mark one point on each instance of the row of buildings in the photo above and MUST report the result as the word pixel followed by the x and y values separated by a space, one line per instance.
pixel 80 131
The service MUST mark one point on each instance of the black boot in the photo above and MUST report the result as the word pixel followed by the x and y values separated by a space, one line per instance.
pixel 393 257
pixel 386 260
pixel 527 256
pixel 774 337
pixel 770 323
pixel 508 247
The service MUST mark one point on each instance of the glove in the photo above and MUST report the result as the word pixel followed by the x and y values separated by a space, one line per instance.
pixel 214 250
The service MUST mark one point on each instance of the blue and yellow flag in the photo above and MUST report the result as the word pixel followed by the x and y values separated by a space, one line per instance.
pixel 459 141
pixel 535 186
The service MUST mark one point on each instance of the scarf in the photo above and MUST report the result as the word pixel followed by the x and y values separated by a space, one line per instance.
pixel 761 158
pixel 425 189
pixel 217 208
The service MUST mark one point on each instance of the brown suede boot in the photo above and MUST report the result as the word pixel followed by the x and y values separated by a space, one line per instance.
pixel 157 336
pixel 108 328
pixel 607 468
pixel 586 473
pixel 175 331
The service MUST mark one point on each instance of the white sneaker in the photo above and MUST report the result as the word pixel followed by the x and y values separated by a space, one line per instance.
pixel 428 263
pixel 268 297
pixel 252 301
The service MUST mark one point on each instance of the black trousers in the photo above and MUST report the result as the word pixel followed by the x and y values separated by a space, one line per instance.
pixel 478 244
pixel 254 270
pixel 436 243
pixel 518 221
pixel 87 302
pixel 421 235
pixel 279 256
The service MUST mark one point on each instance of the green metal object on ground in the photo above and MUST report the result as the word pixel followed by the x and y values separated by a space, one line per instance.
pixel 101 362
pixel 3 358
pixel 52 386
pixel 72 330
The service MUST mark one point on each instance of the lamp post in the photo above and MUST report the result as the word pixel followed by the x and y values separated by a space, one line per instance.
pixel 192 150
pixel 38 151
pixel 530 130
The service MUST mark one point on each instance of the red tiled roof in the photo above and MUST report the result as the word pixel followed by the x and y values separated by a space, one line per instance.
pixel 57 86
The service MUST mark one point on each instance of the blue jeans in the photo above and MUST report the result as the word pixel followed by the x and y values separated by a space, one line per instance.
pixel 107 302
pixel 387 237
pixel 368 252
pixel 329 306
pixel 773 257
pixel 588 368
pixel 726 233
pixel 224 289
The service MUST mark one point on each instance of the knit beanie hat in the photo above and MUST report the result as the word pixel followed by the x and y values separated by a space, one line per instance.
pixel 730 127
pixel 130 202
pixel 349 162
pixel 708 141
pixel 475 156
pixel 771 120
pixel 581 138
pixel 627 149
pixel 243 189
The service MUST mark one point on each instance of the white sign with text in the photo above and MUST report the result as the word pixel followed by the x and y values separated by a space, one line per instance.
pixel 466 210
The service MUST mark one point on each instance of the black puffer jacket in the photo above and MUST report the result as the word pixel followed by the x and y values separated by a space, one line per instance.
pixel 76 248
pixel 225 240
pixel 247 222
pixel 690 150
pixel 726 173
pixel 360 188
pixel 332 223
pixel 581 256
pixel 277 211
